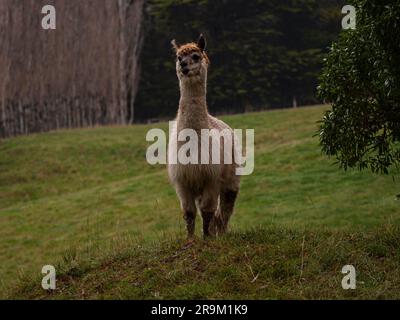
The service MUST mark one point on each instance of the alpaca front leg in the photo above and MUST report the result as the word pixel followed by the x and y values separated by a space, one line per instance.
pixel 208 208
pixel 190 218
pixel 189 209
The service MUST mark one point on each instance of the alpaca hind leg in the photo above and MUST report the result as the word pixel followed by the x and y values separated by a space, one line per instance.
pixel 227 204
pixel 208 229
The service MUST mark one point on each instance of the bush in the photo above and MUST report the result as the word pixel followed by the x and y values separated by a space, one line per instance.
pixel 361 80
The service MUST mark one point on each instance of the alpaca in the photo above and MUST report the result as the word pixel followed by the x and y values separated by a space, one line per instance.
pixel 212 188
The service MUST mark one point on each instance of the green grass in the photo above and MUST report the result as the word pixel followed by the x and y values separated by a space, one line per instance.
pixel 79 190
pixel 263 263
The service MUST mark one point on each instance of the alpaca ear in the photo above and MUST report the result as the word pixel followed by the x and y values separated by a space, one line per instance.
pixel 174 45
pixel 201 43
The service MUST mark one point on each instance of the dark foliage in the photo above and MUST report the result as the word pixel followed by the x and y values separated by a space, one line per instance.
pixel 263 53
pixel 361 79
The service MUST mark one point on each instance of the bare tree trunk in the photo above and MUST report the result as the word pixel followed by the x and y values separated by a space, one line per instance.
pixel 85 73
pixel 122 7
pixel 137 10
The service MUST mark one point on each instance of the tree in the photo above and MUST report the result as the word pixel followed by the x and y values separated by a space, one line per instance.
pixel 84 73
pixel 263 53
pixel 361 79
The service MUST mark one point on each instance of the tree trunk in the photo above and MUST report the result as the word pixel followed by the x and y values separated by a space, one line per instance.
pixel 84 73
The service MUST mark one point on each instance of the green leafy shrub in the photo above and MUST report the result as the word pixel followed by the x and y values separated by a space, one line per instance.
pixel 361 80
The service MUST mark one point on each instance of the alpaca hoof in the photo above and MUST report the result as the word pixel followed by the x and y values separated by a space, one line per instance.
pixel 209 236
pixel 189 243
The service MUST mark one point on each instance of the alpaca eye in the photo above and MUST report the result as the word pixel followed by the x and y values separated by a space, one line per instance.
pixel 196 57
pixel 180 59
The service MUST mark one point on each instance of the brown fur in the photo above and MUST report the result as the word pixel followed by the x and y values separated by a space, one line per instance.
pixel 190 48
pixel 212 188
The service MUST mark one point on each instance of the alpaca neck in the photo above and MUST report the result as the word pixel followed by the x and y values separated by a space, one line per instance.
pixel 193 90
pixel 193 105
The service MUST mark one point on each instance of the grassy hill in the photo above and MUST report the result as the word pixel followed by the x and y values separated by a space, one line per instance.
pixel 263 263
pixel 69 197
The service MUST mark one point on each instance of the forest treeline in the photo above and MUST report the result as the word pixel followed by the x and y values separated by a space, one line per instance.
pixel 110 62
pixel 84 73
pixel 264 53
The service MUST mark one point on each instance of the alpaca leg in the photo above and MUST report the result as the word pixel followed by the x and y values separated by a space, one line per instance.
pixel 208 208
pixel 188 206
pixel 228 199
pixel 190 218
pixel 208 217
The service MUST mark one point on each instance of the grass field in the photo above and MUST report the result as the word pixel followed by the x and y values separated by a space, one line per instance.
pixel 88 200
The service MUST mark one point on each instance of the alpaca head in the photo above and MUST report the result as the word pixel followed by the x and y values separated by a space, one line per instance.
pixel 191 60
